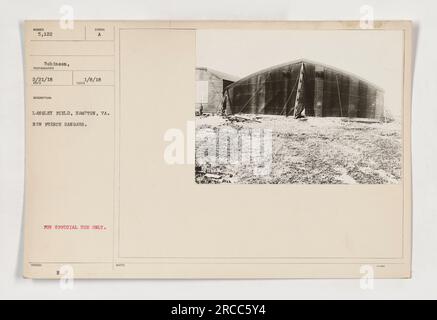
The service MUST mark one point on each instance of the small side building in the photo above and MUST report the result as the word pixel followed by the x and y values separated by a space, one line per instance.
pixel 210 86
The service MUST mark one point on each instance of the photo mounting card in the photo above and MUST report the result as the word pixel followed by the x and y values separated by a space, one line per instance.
pixel 188 149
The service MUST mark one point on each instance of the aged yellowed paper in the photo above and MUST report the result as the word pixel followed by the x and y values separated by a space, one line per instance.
pixel 186 149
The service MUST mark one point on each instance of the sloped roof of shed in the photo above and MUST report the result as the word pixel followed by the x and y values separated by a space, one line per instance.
pixel 219 74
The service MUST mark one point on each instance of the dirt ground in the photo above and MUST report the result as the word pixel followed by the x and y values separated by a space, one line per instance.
pixel 308 151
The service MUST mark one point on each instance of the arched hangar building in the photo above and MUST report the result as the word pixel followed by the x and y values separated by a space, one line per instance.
pixel 319 90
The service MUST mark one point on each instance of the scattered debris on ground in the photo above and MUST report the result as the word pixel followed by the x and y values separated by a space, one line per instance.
pixel 312 151
pixel 238 118
pixel 360 120
pixel 209 175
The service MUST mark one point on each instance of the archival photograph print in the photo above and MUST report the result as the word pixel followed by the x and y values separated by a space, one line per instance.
pixel 299 107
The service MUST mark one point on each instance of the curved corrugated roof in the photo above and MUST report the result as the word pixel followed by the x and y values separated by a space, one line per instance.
pixel 305 61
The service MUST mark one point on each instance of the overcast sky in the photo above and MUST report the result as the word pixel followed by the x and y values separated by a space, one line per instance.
pixel 376 56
